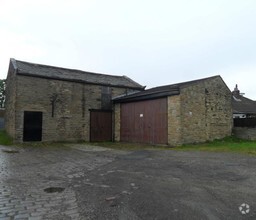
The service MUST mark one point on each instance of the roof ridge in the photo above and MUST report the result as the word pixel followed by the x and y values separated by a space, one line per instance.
pixel 186 82
pixel 198 80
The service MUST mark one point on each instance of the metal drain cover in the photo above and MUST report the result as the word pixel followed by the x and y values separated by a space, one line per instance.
pixel 10 151
pixel 54 189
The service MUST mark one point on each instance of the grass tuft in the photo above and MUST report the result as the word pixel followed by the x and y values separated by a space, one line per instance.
pixel 5 139
pixel 228 144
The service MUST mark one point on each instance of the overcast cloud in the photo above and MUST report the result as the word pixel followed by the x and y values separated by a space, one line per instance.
pixel 154 42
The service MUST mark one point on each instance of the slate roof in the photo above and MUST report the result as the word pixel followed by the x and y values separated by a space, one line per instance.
pixel 58 73
pixel 243 105
pixel 159 92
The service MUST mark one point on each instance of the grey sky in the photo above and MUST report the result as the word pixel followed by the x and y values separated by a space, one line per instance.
pixel 153 42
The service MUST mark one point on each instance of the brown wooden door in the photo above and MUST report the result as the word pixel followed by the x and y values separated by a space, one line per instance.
pixel 145 121
pixel 100 125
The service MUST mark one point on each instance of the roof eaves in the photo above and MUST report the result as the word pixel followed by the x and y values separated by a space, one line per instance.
pixel 77 80
pixel 145 97
pixel 132 81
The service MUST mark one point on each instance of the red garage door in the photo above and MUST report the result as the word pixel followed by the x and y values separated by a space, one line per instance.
pixel 144 121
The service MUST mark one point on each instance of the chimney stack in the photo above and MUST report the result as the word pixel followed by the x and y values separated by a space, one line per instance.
pixel 236 91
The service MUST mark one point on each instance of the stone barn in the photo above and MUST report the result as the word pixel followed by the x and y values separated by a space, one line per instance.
pixel 189 112
pixel 46 103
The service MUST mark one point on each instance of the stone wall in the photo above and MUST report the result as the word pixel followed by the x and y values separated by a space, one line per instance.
pixel 174 120
pixel 117 122
pixel 206 111
pixel 10 102
pixel 219 110
pixel 245 133
pixel 193 114
pixel 65 106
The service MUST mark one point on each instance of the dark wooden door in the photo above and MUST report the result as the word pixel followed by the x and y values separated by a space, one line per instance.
pixel 100 125
pixel 145 122
pixel 32 130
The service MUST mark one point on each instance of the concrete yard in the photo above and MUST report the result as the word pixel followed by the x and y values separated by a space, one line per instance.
pixel 86 182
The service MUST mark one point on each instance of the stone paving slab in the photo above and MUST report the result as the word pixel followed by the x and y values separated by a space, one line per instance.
pixel 26 174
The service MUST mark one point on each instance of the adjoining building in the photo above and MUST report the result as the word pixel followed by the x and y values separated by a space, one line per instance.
pixel 244 114
pixel 46 103
pixel 189 112
pixel 242 107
